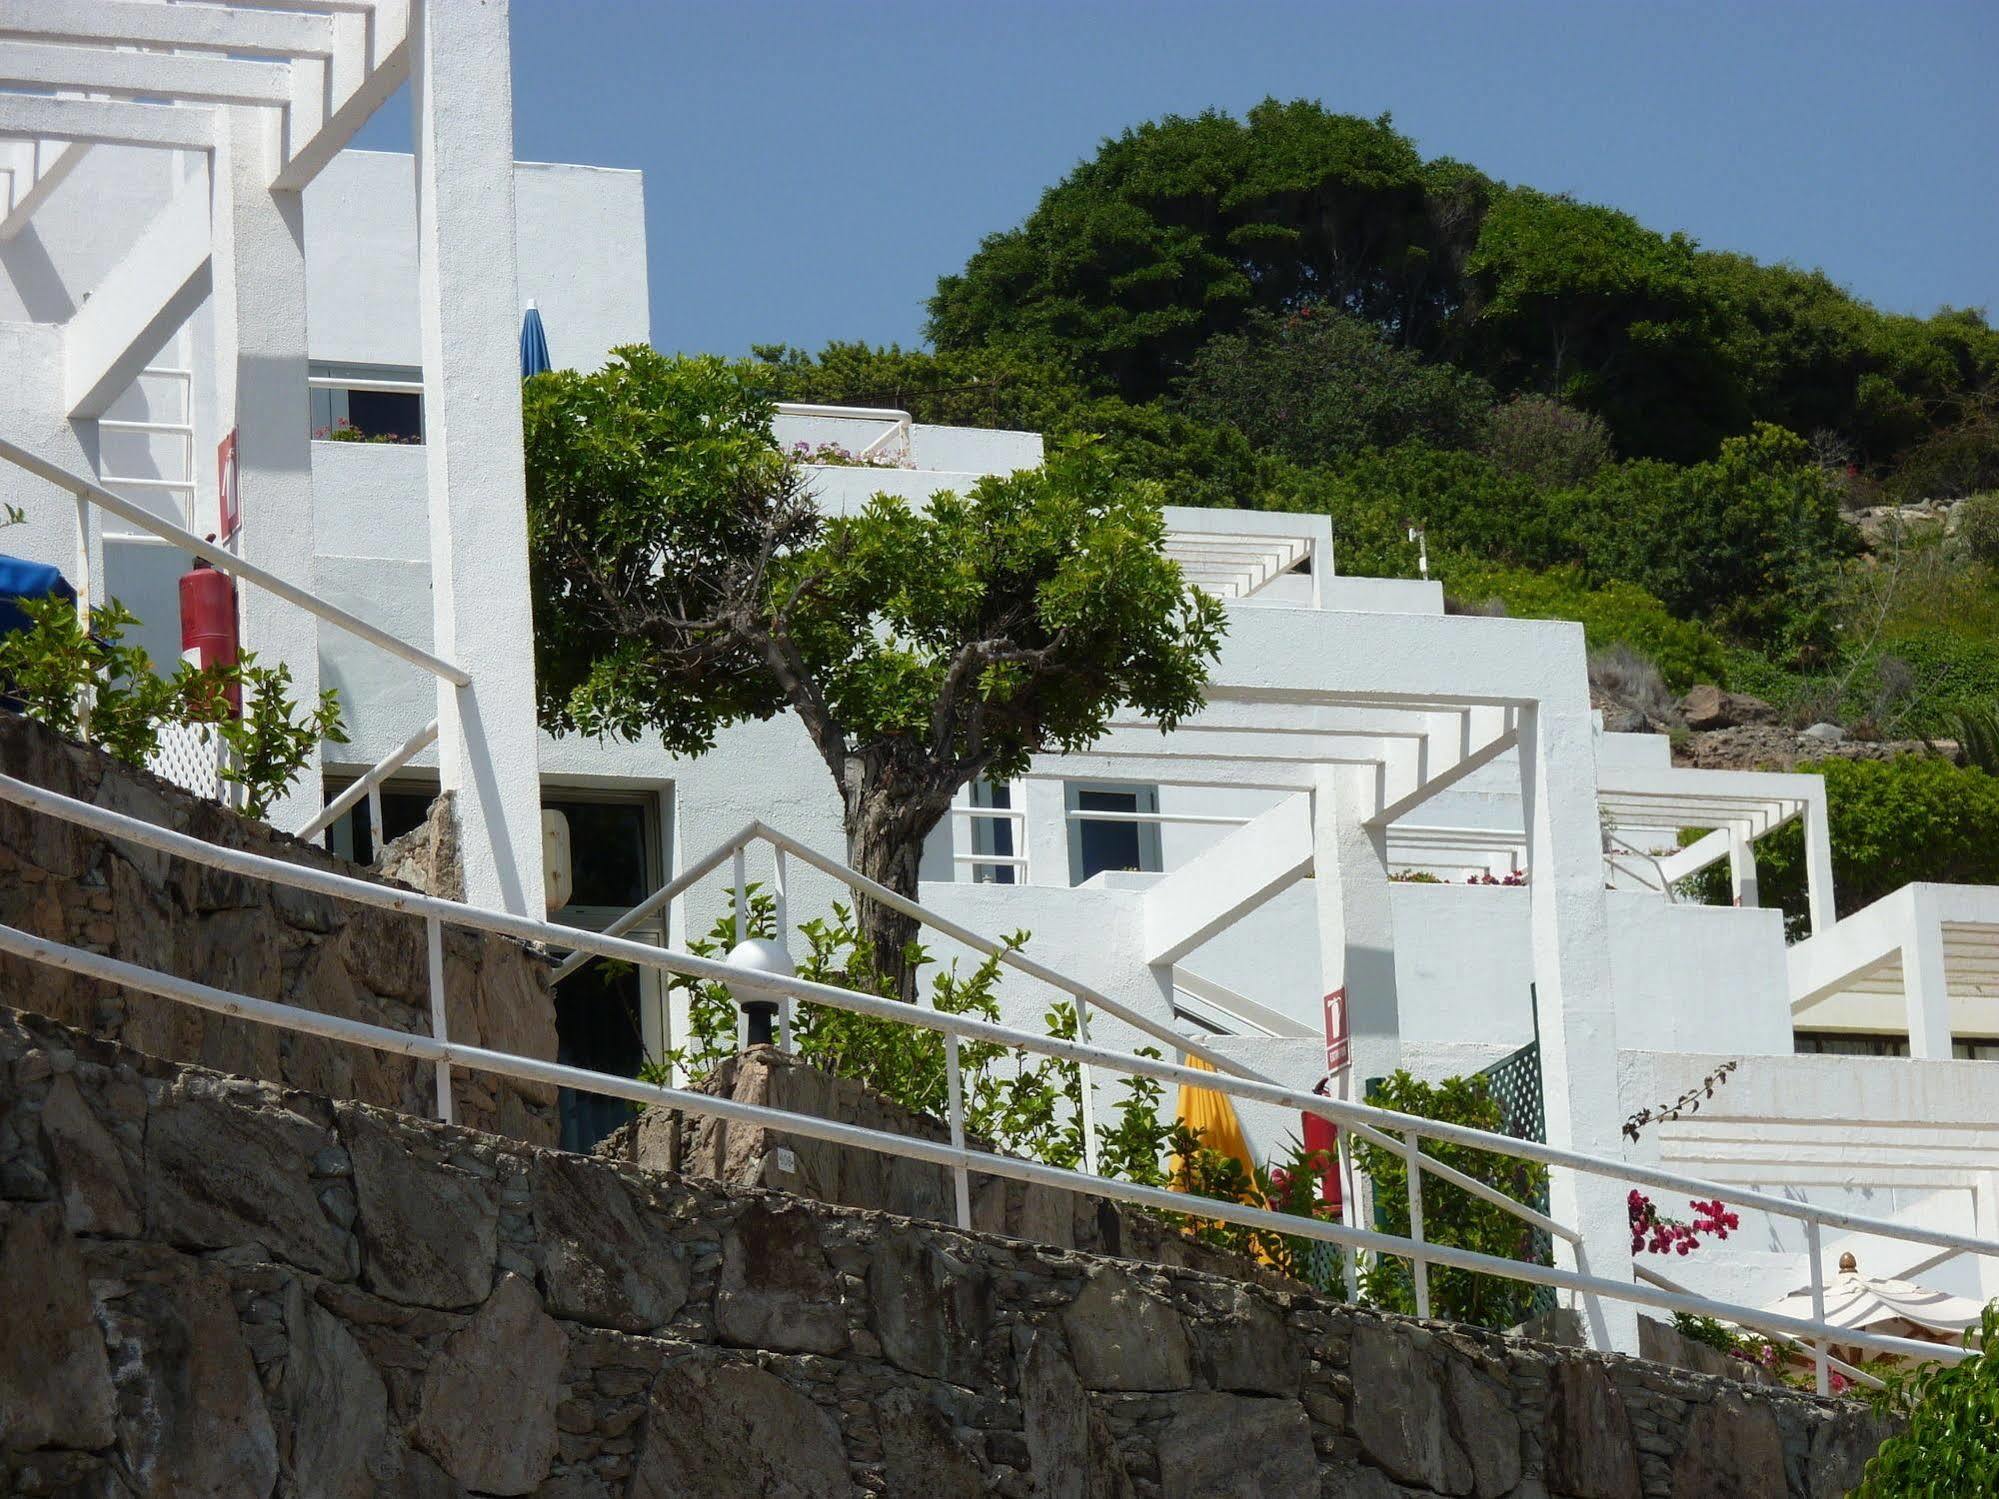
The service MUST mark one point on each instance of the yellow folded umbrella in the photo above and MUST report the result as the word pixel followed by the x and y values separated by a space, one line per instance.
pixel 1211 1111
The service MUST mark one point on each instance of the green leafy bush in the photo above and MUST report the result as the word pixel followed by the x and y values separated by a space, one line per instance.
pixel 1615 614
pixel 1951 1443
pixel 1749 542
pixel 90 684
pixel 1021 1103
pixel 1318 384
pixel 1540 438
pixel 1451 1215
pixel 1978 526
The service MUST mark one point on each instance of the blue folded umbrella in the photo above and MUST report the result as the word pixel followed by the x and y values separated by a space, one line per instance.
pixel 22 579
pixel 534 344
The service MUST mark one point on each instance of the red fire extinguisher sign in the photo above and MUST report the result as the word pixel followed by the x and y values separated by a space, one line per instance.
pixel 228 501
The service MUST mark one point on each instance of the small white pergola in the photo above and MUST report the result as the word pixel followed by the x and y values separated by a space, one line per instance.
pixel 1740 806
pixel 1924 959
pixel 253 100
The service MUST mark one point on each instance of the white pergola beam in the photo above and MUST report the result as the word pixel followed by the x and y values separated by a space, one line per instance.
pixel 148 294
pixel 214 80
pixel 209 27
pixel 370 61
pixel 1228 880
pixel 108 122
pixel 44 178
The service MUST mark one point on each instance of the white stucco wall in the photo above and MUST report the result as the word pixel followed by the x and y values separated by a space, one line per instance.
pixel 1886 1137
pixel 51 266
pixel 581 238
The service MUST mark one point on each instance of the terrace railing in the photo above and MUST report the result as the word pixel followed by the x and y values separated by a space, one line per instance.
pixel 1397 1131
pixel 89 492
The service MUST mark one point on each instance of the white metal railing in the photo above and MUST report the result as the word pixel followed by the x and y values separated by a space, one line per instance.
pixel 1396 1131
pixel 1620 859
pixel 1230 1078
pixel 899 424
pixel 370 786
pixel 89 492
pixel 358 382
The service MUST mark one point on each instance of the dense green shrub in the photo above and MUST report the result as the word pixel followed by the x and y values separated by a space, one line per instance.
pixel 1318 384
pixel 1540 438
pixel 90 684
pixel 1464 503
pixel 1978 526
pixel 1749 541
pixel 1951 1443
pixel 1451 1215
pixel 1616 614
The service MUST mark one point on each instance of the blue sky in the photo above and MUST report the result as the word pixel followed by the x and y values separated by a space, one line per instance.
pixel 812 168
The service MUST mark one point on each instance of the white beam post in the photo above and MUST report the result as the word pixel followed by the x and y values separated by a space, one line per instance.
pixel 1925 984
pixel 1576 1006
pixel 145 298
pixel 461 92
pixel 1819 893
pixel 258 270
pixel 1742 868
pixel 1356 923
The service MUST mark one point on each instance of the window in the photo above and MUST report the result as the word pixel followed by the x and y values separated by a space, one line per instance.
pixel 1865 1044
pixel 1101 840
pixel 601 1009
pixel 993 836
pixel 380 402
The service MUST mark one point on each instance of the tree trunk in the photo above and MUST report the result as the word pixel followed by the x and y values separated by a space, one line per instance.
pixel 878 854
pixel 888 817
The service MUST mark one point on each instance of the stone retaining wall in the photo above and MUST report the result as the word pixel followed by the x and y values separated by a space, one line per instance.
pixel 63 882
pixel 218 1287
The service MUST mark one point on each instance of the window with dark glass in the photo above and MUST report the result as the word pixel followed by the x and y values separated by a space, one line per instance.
pixel 1107 842
pixel 367 403
pixel 993 836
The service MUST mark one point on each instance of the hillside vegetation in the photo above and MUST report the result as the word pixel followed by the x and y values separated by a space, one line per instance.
pixel 1740 473
pixel 1587 417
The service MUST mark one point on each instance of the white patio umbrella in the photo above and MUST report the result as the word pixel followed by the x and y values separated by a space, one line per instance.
pixel 1896 1308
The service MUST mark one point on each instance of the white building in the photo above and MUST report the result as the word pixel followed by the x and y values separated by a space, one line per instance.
pixel 171 274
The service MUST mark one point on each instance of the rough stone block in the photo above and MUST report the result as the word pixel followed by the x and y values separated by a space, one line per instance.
pixel 600 1262
pixel 1222 1446
pixel 55 1386
pixel 717 1426
pixel 429 1231
pixel 776 1289
pixel 489 1396
pixel 1123 1337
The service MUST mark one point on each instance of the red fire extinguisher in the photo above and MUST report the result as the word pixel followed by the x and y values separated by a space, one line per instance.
pixel 1321 1134
pixel 208 622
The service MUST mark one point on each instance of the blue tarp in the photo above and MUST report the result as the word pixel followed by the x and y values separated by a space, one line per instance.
pixel 22 579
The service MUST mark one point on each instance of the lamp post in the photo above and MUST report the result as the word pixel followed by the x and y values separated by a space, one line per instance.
pixel 760 955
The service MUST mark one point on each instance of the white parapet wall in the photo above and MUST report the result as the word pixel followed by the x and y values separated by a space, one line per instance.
pixel 1888 1137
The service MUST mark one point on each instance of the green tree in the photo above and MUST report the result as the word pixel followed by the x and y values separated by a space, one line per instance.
pixel 684 581
pixel 1316 385
pixel 1176 229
